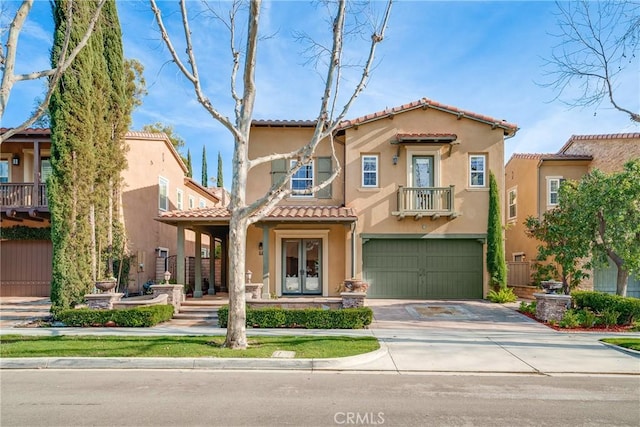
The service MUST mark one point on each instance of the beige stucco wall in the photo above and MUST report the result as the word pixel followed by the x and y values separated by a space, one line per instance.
pixel 570 170
pixel 521 174
pixel 609 155
pixel 272 140
pixel 148 159
pixel 374 206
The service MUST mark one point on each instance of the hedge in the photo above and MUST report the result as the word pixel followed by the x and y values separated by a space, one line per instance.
pixel 131 317
pixel 21 232
pixel 628 307
pixel 309 318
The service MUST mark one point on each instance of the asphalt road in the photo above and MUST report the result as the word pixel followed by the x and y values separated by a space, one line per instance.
pixel 216 398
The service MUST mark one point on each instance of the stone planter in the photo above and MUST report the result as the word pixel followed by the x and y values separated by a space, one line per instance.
pixel 355 285
pixel 551 286
pixel 106 285
pixel 551 307
pixel 253 290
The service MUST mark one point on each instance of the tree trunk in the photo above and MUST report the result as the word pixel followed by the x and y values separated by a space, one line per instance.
pixel 622 280
pixel 236 328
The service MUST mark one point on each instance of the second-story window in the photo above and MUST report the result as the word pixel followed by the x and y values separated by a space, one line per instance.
pixel 513 209
pixel 477 170
pixel 553 190
pixel 179 199
pixel 203 204
pixel 302 180
pixel 163 194
pixel 192 202
pixel 45 169
pixel 370 170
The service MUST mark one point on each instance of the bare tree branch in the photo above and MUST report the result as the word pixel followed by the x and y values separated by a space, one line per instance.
pixel 597 40
pixel 65 60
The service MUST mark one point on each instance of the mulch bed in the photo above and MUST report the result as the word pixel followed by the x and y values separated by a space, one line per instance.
pixel 596 328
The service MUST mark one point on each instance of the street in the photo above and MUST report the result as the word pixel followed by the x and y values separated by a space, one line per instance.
pixel 218 398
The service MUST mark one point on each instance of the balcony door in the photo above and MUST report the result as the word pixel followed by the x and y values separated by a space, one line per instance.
pixel 302 266
pixel 423 182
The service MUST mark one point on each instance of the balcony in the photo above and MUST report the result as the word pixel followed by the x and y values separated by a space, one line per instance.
pixel 24 200
pixel 418 202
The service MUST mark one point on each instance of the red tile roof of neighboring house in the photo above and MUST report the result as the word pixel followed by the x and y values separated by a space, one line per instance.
pixel 30 131
pixel 549 156
pixel 284 123
pixel 279 213
pixel 606 136
pixel 425 103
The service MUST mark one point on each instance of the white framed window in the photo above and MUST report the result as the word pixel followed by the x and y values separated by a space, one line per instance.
pixel 302 180
pixel 4 170
pixel 203 203
pixel 192 202
pixel 513 198
pixel 163 193
pixel 553 190
pixel 179 198
pixel 477 170
pixel 370 170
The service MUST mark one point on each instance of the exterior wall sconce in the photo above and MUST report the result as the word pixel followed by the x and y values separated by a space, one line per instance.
pixel 395 159
pixel 260 249
pixel 15 161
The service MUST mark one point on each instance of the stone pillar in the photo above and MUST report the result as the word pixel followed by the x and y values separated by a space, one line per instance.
pixel 353 299
pixel 551 306
pixel 103 301
pixel 197 286
pixel 173 292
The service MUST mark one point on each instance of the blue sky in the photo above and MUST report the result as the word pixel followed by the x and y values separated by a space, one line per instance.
pixel 486 57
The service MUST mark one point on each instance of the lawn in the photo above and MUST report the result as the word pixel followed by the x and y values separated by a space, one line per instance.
pixel 180 346
pixel 632 343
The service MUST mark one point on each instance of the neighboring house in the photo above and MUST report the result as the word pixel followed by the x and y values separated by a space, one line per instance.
pixel 154 181
pixel 532 182
pixel 408 212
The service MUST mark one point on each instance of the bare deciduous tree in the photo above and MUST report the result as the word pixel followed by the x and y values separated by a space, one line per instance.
pixel 597 41
pixel 329 117
pixel 8 53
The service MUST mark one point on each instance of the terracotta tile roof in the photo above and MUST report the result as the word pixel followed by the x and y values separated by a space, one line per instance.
pixel 429 103
pixel 527 156
pixel 602 137
pixel 30 131
pixel 566 157
pixel 279 213
pixel 283 123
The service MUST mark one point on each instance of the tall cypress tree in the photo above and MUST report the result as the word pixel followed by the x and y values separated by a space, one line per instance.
pixel 496 264
pixel 205 175
pixel 189 168
pixel 73 162
pixel 90 112
pixel 219 179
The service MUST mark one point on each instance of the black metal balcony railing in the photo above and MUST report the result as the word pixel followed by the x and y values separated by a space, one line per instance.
pixel 425 201
pixel 23 195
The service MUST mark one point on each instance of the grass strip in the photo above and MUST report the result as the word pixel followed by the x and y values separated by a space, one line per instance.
pixel 632 343
pixel 181 346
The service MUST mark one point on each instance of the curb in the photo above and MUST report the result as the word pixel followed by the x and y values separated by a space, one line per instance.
pixel 338 363
pixel 630 351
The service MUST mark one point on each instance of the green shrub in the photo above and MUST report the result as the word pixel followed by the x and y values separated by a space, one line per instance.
pixel 131 317
pixel 627 307
pixel 609 317
pixel 529 308
pixel 569 319
pixel 587 318
pixel 310 318
pixel 502 295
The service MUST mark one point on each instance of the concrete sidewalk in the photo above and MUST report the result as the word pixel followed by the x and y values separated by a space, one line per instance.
pixel 468 337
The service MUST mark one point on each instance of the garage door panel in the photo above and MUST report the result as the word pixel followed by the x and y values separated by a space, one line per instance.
pixel 423 269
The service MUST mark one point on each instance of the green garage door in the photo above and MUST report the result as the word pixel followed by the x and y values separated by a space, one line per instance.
pixel 423 269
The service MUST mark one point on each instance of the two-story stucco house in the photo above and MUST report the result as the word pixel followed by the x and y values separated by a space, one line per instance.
pixel 154 181
pixel 407 213
pixel 532 183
